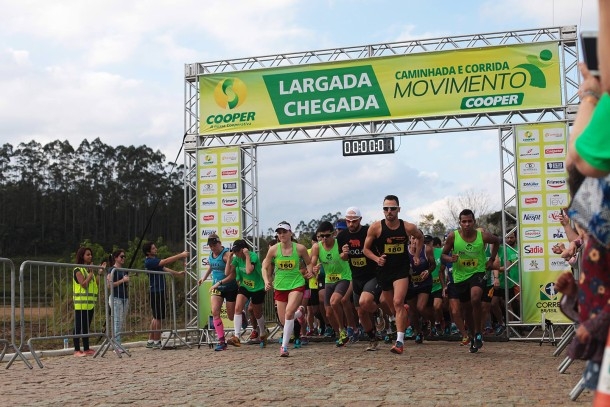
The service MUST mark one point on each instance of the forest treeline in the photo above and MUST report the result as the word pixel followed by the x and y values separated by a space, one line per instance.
pixel 54 196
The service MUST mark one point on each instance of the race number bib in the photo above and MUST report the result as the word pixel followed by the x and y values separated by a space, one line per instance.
pixel 284 265
pixel 248 283
pixel 469 262
pixel 358 261
pixel 395 248
pixel 333 278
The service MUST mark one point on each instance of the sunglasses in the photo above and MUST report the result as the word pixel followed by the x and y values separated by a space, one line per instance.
pixel 122 256
pixel 390 208
pixel 324 235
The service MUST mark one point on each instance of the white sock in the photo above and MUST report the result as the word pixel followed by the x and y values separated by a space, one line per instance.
pixel 288 328
pixel 237 319
pixel 261 325
pixel 400 337
pixel 298 314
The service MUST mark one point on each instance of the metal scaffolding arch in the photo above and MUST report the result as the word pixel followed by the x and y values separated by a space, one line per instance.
pixel 503 122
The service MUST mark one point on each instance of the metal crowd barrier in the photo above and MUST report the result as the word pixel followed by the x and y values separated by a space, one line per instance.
pixel 8 318
pixel 47 311
pixel 139 315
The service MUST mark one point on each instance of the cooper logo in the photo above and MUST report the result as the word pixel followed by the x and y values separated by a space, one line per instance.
pixel 556 183
pixel 532 234
pixel 531 201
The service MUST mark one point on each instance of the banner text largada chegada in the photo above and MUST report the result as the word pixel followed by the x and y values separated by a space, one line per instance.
pixel 326 94
pixel 475 78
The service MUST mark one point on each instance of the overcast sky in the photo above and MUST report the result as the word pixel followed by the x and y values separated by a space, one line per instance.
pixel 114 69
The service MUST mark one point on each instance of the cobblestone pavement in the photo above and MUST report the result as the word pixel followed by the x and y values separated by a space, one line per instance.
pixel 436 373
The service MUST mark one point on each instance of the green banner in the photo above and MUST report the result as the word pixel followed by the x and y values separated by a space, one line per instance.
pixel 490 79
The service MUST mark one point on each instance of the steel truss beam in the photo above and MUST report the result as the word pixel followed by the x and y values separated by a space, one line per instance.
pixel 566 37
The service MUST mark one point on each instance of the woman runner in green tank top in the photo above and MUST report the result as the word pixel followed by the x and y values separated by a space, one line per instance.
pixel 282 260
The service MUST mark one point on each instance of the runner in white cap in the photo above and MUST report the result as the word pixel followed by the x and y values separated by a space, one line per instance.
pixel 366 292
pixel 289 283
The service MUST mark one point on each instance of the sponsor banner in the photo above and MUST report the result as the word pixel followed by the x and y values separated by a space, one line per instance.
pixel 489 79
pixel 218 212
pixel 542 195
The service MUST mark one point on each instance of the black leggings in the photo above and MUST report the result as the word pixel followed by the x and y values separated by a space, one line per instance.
pixel 82 321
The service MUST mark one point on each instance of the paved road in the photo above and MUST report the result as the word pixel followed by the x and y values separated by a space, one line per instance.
pixel 319 374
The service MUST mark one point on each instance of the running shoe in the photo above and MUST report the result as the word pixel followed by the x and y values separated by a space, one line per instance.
pixel 489 330
pixel 304 341
pixel 373 343
pixel 89 352
pixel 150 344
pixel 419 338
pixel 284 352
pixel 263 338
pixel 342 338
pixel 220 347
pixel 409 332
pixel 447 331
pixel 234 340
pixel 297 343
pixel 157 345
pixel 351 335
pixel 500 329
pixel 465 341
pixel 79 354
pixel 473 346
pixel 454 329
pixel 397 348
pixel 478 340
pixel 438 330
pixel 329 331
pixel 253 335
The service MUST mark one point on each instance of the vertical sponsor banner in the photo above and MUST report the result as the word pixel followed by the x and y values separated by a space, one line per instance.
pixel 218 211
pixel 543 192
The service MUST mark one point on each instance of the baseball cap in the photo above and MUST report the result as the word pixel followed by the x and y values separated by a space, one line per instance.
pixel 340 224
pixel 428 238
pixel 213 238
pixel 283 225
pixel 352 213
pixel 239 244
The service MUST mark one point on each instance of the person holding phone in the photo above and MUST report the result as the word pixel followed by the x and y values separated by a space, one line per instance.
pixel 589 149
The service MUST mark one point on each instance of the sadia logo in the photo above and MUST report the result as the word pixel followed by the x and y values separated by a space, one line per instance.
pixel 531 200
pixel 533 249
pixel 230 93
pixel 548 293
